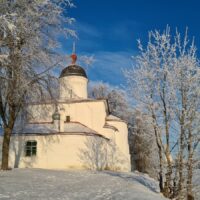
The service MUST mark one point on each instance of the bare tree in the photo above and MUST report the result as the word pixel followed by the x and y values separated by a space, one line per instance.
pixel 165 86
pixel 187 81
pixel 28 41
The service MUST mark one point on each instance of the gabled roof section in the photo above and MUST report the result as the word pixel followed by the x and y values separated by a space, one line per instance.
pixel 70 128
pixel 110 127
pixel 114 118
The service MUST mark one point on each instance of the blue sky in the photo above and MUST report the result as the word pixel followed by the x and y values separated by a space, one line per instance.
pixel 109 29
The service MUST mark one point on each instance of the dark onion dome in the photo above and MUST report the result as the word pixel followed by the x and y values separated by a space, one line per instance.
pixel 73 70
pixel 56 116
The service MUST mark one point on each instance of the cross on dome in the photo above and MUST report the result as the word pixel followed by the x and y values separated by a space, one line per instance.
pixel 73 69
pixel 73 55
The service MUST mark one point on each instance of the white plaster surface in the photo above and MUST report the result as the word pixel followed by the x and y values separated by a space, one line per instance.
pixel 73 87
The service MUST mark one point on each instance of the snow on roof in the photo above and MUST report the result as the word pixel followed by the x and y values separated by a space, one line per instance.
pixel 113 118
pixel 49 128
pixel 77 127
pixel 110 127
pixel 35 128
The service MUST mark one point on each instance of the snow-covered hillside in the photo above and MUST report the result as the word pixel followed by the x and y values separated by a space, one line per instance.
pixel 37 184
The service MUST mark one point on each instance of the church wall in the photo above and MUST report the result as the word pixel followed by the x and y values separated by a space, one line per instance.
pixel 53 152
pixel 121 140
pixel 91 114
pixel 64 152
pixel 73 87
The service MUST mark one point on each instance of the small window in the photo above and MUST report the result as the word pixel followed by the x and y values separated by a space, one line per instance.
pixel 67 118
pixel 31 148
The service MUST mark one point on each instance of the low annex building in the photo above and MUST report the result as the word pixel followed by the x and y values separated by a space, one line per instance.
pixel 74 133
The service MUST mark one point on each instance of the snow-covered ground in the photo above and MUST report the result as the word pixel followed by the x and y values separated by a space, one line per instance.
pixel 37 184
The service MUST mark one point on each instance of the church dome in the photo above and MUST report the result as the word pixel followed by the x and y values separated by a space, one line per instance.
pixel 73 70
pixel 56 115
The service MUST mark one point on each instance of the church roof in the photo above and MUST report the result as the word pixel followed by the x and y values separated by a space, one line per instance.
pixel 114 118
pixel 71 128
pixel 110 127
pixel 73 70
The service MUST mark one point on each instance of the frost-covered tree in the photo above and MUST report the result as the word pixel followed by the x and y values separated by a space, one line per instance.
pixel 186 80
pixel 29 32
pixel 165 86
pixel 142 140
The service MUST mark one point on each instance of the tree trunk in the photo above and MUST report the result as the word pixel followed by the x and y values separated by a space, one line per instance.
pixel 160 163
pixel 169 164
pixel 161 172
pixel 168 184
pixel 182 140
pixel 5 148
pixel 189 165
pixel 180 164
pixel 160 153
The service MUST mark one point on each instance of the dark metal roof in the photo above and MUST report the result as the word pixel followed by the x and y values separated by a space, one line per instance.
pixel 73 70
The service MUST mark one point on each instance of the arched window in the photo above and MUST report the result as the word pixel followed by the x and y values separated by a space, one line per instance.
pixel 31 148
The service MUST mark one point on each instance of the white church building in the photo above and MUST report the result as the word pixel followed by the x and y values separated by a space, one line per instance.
pixel 76 132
